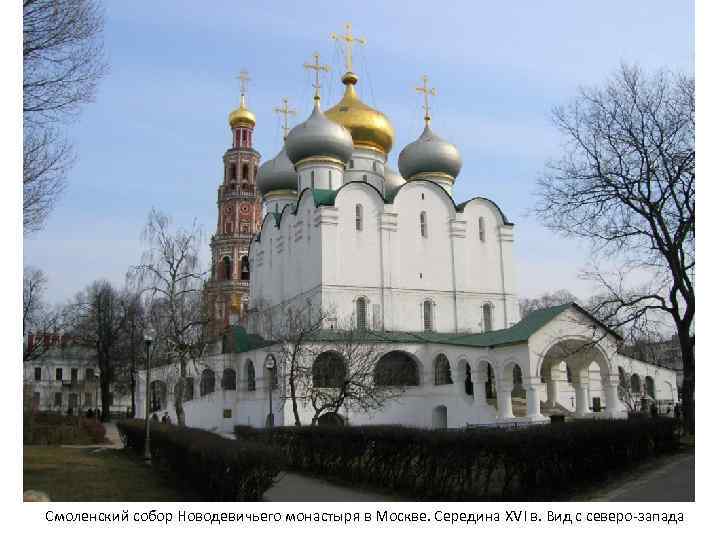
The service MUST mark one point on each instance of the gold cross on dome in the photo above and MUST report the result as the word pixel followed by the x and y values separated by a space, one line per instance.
pixel 427 92
pixel 317 67
pixel 285 111
pixel 244 78
pixel 349 39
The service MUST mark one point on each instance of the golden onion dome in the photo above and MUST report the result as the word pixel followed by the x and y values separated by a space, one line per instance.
pixel 368 127
pixel 242 115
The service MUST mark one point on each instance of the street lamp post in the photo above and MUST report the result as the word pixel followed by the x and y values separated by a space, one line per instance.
pixel 149 337
pixel 270 364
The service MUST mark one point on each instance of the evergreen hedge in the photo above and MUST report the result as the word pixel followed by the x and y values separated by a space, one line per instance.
pixel 53 428
pixel 219 469
pixel 535 463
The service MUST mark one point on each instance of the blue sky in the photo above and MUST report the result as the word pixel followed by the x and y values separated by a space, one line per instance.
pixel 156 133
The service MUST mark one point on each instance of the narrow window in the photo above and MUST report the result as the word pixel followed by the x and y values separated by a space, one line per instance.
pixel 58 374
pixel 481 229
pixel 374 166
pixel 233 171
pixel 427 316
pixel 38 373
pixel 487 317
pixel 74 374
pixel 312 179
pixel 364 177
pixel 227 268
pixel 361 313
pixel 358 217
pixel 89 374
pixel 423 225
pixel 330 179
pixel 352 164
pixel 245 171
pixel 58 399
pixel 244 268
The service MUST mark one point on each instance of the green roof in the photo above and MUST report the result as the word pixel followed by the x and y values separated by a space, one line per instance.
pixel 518 333
pixel 244 342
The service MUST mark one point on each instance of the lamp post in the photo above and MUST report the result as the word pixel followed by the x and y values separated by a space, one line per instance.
pixel 149 337
pixel 270 366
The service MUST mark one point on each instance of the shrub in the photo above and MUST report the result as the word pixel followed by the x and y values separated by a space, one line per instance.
pixel 536 463
pixel 53 429
pixel 220 469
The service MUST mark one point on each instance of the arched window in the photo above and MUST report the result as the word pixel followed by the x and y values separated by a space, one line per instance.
pixel 622 376
pixel 250 376
pixel 428 316
pixel 229 379
pixel 352 164
pixel 358 217
pixel 312 179
pixel 487 317
pixel 233 171
pixel 227 268
pixel 517 375
pixel 490 391
pixel 442 370
pixel 328 370
pixel 481 229
pixel 650 387
pixel 396 368
pixel 568 372
pixel 245 171
pixel 361 313
pixel 207 382
pixel 245 268
pixel 423 224
pixel 468 381
pixel 158 396
pixel 272 374
pixel 635 383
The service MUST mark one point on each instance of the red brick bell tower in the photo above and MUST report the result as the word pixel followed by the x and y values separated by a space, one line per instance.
pixel 239 218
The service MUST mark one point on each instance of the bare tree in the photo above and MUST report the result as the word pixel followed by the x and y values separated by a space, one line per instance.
pixel 98 316
pixel 326 365
pixel 171 278
pixel 627 184
pixel 130 346
pixel 342 374
pixel 63 61
pixel 562 296
pixel 39 320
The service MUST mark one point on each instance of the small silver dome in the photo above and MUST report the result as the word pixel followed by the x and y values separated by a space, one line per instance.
pixel 319 136
pixel 393 181
pixel 277 174
pixel 429 154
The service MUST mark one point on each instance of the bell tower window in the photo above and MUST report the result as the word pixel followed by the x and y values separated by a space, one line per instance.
pixel 227 268
pixel 245 171
pixel 233 171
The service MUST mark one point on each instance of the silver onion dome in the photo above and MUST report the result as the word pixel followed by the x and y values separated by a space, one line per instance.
pixel 276 174
pixel 393 180
pixel 319 136
pixel 429 154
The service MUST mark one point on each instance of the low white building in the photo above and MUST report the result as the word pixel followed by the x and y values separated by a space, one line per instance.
pixel 65 377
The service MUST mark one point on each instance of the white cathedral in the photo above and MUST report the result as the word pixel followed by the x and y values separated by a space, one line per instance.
pixel 429 279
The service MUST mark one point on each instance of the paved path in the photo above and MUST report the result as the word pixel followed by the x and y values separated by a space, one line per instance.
pixel 293 487
pixel 671 482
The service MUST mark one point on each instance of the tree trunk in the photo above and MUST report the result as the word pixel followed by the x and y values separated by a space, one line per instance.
pixel 133 384
pixel 104 397
pixel 180 399
pixel 688 388
pixel 293 396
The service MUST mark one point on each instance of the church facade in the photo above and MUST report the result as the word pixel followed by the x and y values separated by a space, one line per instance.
pixel 429 280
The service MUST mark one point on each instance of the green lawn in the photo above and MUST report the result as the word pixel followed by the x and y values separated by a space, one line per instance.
pixel 82 474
